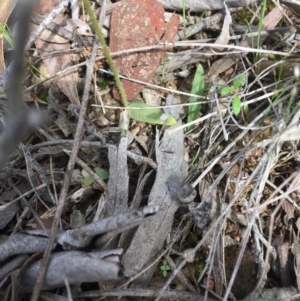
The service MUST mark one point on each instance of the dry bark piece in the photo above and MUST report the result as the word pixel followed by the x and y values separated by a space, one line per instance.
pixel 45 296
pixel 67 82
pixel 137 24
pixel 22 244
pixel 289 209
pixel 12 265
pixel 62 31
pixel 80 194
pixel 275 294
pixel 117 186
pixel 296 252
pixel 101 241
pixel 224 37
pixel 8 214
pixel 171 171
pixel 36 240
pixel 293 4
pixel 198 6
pixel 4 79
pixel 75 267
pixel 285 264
pixel 82 236
pixel 139 293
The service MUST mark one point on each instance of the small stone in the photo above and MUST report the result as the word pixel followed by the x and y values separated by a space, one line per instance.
pixel 186 193
pixel 188 255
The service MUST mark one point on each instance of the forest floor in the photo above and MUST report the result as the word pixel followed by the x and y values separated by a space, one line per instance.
pixel 187 175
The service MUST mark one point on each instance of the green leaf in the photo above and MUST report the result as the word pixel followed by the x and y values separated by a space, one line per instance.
pixel 165 273
pixel 88 180
pixel 101 173
pixel 225 90
pixel 197 89
pixel 239 81
pixel 236 105
pixel 152 115
pixel 246 108
pixel 84 173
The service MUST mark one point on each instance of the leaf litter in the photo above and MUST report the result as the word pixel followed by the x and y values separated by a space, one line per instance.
pixel 241 221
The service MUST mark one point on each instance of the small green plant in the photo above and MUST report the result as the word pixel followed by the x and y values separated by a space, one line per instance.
pixel 164 64
pixel 143 112
pixel 102 84
pixel 6 34
pixel 165 268
pixel 4 30
pixel 100 172
pixel 197 89
pixel 236 101
pixel 184 16
pixel 194 159
pixel 261 19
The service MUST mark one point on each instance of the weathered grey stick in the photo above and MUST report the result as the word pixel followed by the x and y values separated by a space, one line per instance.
pixel 12 265
pixel 197 6
pixel 171 171
pixel 75 267
pixel 22 244
pixel 36 240
pixel 82 236
pixel 117 186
